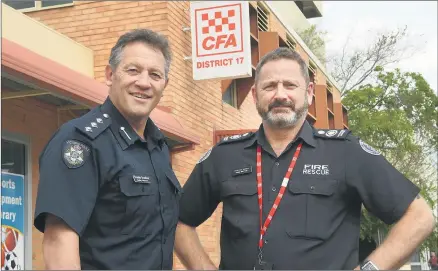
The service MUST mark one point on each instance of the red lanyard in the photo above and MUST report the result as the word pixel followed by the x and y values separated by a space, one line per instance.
pixel 280 193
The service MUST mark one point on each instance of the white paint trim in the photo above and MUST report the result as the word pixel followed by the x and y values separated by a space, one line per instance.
pixel 28 223
pixel 297 37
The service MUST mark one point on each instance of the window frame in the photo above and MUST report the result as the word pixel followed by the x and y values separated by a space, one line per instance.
pixel 233 93
pixel 38 6
pixel 262 15
pixel 290 41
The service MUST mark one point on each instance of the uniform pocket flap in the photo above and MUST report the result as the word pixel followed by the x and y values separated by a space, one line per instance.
pixel 316 187
pixel 132 189
pixel 233 187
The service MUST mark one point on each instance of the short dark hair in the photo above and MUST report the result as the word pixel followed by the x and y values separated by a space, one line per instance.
pixel 283 53
pixel 147 37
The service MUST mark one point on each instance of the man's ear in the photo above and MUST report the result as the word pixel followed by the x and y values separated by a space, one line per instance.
pixel 167 82
pixel 310 90
pixel 254 94
pixel 108 75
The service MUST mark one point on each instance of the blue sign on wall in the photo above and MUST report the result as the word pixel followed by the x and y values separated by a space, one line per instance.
pixel 12 218
pixel 13 201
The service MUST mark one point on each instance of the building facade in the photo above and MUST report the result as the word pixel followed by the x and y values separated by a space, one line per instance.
pixel 54 55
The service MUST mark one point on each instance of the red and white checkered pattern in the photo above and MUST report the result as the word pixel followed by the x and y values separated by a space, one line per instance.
pixel 218 21
pixel 218 29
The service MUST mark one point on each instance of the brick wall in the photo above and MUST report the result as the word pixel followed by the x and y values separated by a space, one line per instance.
pixel 197 105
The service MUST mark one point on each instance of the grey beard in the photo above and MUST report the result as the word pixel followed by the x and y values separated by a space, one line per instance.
pixel 283 121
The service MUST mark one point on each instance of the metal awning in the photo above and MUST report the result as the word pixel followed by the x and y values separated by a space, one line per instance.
pixel 26 74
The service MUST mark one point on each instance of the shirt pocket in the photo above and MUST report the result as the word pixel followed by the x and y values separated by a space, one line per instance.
pixel 240 206
pixel 315 202
pixel 141 204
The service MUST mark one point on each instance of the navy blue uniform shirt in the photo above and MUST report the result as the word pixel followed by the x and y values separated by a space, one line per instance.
pixel 117 191
pixel 316 225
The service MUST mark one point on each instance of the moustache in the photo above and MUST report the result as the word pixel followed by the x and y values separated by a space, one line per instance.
pixel 278 103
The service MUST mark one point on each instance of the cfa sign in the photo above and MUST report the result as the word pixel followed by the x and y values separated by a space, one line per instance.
pixel 221 45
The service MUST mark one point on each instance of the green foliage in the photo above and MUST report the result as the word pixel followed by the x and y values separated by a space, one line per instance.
pixel 398 115
pixel 315 40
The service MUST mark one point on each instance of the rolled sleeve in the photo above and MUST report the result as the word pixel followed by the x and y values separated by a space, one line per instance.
pixel 383 190
pixel 68 184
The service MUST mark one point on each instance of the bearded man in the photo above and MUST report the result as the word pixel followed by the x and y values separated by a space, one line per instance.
pixel 292 194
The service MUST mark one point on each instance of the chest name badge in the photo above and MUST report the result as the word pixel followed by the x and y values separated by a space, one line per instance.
pixel 140 179
pixel 241 171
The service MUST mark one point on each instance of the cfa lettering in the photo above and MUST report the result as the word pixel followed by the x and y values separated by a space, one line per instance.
pixel 225 41
pixel 316 169
pixel 214 63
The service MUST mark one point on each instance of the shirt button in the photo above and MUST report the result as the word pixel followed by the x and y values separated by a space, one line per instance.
pixel 312 188
pixel 277 164
pixel 266 241
pixel 273 188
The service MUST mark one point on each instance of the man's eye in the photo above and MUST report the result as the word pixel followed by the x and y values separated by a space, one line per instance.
pixel 132 70
pixel 156 75
pixel 290 86
pixel 269 87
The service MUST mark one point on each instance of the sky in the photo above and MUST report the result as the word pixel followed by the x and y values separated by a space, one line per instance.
pixel 363 19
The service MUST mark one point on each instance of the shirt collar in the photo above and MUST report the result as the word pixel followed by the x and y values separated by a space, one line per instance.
pixel 123 130
pixel 305 133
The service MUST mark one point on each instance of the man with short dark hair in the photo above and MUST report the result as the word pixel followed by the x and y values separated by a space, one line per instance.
pixel 107 197
pixel 292 194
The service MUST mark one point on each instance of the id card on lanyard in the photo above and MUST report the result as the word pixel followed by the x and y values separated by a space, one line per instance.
pixel 260 264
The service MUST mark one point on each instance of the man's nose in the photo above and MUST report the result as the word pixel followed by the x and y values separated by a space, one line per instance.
pixel 281 92
pixel 144 81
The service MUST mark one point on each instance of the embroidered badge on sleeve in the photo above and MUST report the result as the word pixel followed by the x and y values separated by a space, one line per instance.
pixel 366 147
pixel 205 156
pixel 75 153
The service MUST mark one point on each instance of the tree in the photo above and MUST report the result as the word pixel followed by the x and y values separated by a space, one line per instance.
pixel 393 111
pixel 398 116
pixel 315 40
pixel 352 67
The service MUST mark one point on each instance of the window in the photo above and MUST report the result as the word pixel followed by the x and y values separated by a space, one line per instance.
pixel 262 18
pixel 35 5
pixel 290 42
pixel 329 87
pixel 230 95
pixel 330 106
pixel 312 72
pixel 20 4
pixel 45 4
pixel 13 157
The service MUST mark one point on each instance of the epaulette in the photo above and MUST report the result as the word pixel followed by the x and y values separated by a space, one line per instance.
pixel 331 133
pixel 235 138
pixel 93 123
